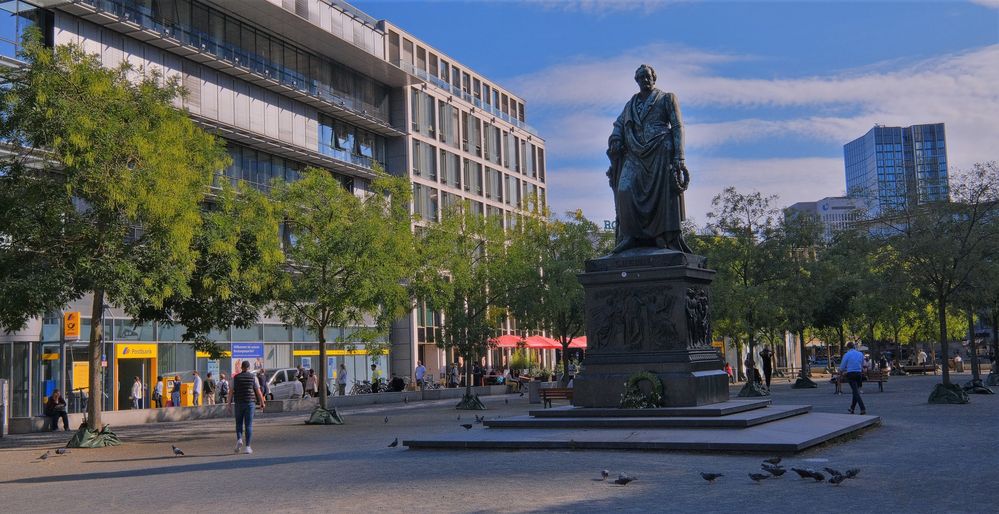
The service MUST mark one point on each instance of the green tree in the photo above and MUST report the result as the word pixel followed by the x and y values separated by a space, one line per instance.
pixel 102 190
pixel 470 285
pixel 802 241
pixel 748 264
pixel 349 259
pixel 547 255
pixel 943 245
pixel 235 274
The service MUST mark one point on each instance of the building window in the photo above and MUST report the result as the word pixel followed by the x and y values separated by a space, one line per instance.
pixel 449 124
pixel 423 113
pixel 450 169
pixel 16 17
pixel 424 160
pixel 473 177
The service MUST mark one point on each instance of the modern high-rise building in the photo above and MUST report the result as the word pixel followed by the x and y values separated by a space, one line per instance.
pixel 287 84
pixel 896 167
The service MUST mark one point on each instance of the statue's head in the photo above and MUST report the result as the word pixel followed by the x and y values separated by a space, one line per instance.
pixel 645 76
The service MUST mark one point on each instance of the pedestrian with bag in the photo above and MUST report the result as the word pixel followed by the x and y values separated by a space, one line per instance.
pixel 175 391
pixel 158 392
pixel 223 388
pixel 341 380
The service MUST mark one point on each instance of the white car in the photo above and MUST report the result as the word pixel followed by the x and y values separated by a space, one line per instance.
pixel 282 385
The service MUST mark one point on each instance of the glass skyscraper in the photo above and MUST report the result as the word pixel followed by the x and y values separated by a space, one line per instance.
pixel 896 167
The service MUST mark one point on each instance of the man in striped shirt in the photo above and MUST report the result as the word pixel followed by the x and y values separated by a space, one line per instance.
pixel 245 393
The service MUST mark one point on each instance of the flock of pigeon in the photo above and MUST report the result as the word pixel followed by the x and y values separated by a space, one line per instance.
pixel 772 467
pixel 48 453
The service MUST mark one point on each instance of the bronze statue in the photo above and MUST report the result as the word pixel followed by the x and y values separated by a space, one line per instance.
pixel 647 171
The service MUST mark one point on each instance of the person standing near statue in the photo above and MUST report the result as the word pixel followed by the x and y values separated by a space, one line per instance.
pixel 647 171
pixel 767 360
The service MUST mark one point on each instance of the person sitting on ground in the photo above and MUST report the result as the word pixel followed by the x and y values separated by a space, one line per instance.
pixel 55 409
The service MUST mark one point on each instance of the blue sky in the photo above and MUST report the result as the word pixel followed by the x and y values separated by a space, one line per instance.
pixel 770 91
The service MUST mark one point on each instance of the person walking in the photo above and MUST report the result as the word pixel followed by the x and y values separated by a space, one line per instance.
pixel 175 391
pixel 262 382
pixel 767 358
pixel 852 367
pixel 341 380
pixel 158 392
pixel 453 377
pixel 728 369
pixel 223 388
pixel 376 377
pixel 198 388
pixel 245 394
pixel 421 372
pixel 136 395
pixel 312 384
pixel 55 409
pixel 209 389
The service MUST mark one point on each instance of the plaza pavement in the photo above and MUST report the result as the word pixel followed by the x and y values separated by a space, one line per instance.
pixel 924 458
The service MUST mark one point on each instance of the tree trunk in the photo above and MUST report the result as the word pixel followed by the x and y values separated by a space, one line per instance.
pixel 323 365
pixel 96 351
pixel 806 372
pixel 468 376
pixel 751 372
pixel 944 349
pixel 976 370
pixel 842 342
pixel 565 361
pixel 995 338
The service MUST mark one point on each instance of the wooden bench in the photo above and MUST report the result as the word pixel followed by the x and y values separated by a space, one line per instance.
pixel 921 368
pixel 547 395
pixel 875 375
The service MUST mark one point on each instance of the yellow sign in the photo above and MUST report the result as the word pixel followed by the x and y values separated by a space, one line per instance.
pixel 135 350
pixel 71 325
pixel 720 345
pixel 81 375
pixel 204 355
pixel 333 353
pixel 50 356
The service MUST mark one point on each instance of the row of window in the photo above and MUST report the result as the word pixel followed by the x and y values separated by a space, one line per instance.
pixel 230 39
pixel 348 143
pixel 429 202
pixel 442 121
pixel 261 169
pixel 467 174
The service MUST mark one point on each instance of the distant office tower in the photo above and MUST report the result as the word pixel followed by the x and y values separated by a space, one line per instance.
pixel 835 213
pixel 894 167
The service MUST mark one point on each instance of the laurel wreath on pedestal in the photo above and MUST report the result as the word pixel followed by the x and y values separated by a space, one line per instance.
pixel 635 398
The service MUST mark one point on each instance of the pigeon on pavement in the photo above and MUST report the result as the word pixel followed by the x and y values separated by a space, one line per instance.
pixel 776 471
pixel 604 474
pixel 468 426
pixel 711 477
pixel 809 473
pixel 62 451
pixel 506 401
pixel 405 399
pixel 758 476
pixel 44 455
pixel 773 460
pixel 818 476
pixel 623 479
pixel 395 443
pixel 521 394
pixel 386 419
pixel 837 479
pixel 177 451
pixel 833 472
pixel 852 473
pixel 479 419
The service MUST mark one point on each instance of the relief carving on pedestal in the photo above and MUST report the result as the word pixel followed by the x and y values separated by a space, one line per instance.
pixel 635 320
pixel 698 318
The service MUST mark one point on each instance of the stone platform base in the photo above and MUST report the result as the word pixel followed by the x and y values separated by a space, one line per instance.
pixel 735 425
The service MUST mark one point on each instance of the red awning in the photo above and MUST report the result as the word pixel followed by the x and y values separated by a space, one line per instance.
pixel 542 343
pixel 578 342
pixel 507 341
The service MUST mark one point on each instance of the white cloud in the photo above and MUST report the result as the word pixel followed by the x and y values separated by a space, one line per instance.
pixel 581 98
pixel 603 7
pixel 994 4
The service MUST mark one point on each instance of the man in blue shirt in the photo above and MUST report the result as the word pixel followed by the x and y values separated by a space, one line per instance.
pixel 852 367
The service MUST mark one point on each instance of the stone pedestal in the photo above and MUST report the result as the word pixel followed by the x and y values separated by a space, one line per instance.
pixel 649 310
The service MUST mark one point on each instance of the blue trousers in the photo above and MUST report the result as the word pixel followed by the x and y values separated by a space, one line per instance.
pixel 175 398
pixel 244 418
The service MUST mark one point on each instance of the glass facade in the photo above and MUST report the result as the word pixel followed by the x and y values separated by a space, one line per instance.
pixel 230 39
pixel 347 143
pixel 894 167
pixel 16 17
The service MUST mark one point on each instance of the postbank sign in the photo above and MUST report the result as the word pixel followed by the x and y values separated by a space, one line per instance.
pixel 135 350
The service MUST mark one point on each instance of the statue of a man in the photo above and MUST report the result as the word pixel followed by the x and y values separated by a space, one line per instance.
pixel 647 171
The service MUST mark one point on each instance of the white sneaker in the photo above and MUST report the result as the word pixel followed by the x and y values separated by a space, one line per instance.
pixel 248 450
pixel 239 446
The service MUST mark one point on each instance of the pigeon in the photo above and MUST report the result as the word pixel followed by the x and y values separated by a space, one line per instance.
pixel 773 460
pixel 62 451
pixel 818 476
pixel 805 473
pixel 852 473
pixel 776 471
pixel 44 455
pixel 758 476
pixel 395 443
pixel 521 394
pixel 386 419
pixel 506 401
pixel 405 399
pixel 459 417
pixel 623 479
pixel 479 419
pixel 711 477
pixel 604 474
pixel 177 451
pixel 837 479
pixel 833 472
pixel 468 426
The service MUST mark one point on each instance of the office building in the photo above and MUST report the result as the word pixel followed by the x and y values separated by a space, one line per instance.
pixel 835 213
pixel 897 167
pixel 287 85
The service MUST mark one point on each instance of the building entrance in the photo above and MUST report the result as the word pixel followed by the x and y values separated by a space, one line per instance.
pixel 133 360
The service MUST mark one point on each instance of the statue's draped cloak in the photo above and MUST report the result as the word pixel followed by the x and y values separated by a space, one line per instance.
pixel 648 201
